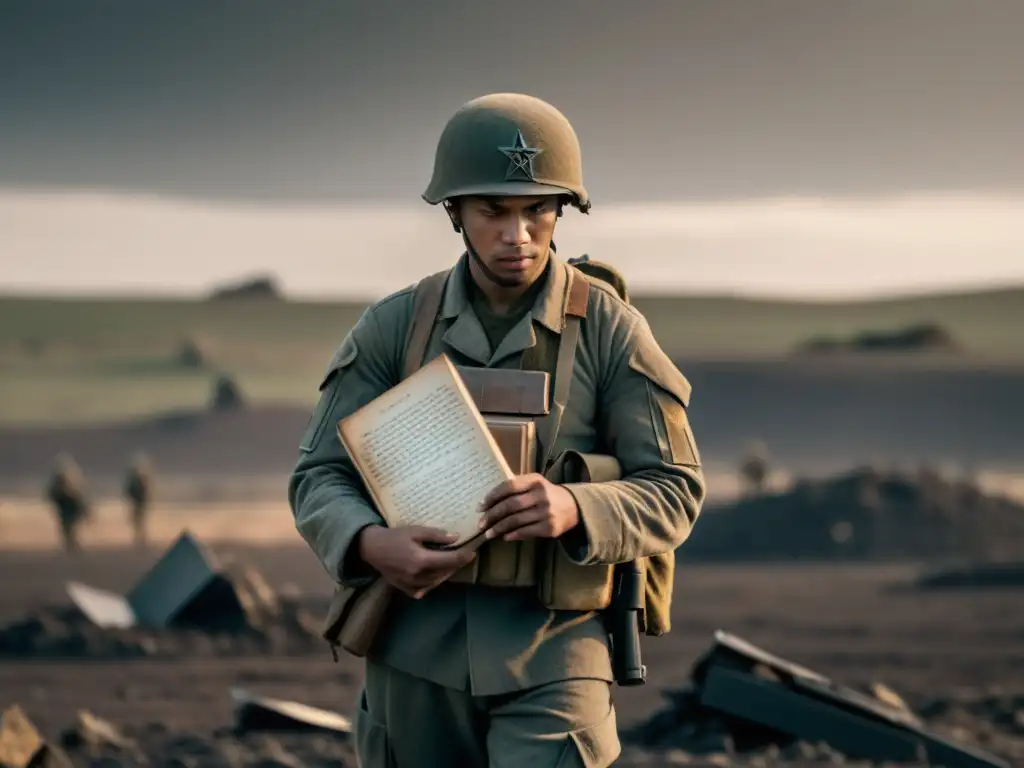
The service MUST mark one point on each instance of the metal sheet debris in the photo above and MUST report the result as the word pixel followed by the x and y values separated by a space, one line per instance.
pixel 260 713
pixel 108 610
pixel 173 582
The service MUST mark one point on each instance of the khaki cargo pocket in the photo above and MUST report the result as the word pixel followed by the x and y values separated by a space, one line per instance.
pixel 371 739
pixel 320 417
pixel 596 746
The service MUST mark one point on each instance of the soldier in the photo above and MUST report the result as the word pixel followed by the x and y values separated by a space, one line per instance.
pixel 66 491
pixel 138 490
pixel 754 469
pixel 442 684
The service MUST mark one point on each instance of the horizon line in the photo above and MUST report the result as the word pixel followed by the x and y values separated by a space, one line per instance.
pixel 963 290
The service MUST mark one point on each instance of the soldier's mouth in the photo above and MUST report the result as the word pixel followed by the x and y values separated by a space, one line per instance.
pixel 516 264
pixel 517 259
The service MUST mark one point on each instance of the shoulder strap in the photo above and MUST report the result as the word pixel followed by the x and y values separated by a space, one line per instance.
pixel 578 291
pixel 425 306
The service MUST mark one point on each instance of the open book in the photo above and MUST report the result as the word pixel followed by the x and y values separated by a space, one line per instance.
pixel 425 453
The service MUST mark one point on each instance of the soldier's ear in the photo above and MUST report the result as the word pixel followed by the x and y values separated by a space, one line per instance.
pixel 453 215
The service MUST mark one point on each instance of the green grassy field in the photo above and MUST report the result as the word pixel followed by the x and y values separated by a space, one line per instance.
pixel 74 360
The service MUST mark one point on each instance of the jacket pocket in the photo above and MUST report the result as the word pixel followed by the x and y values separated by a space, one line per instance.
pixel 373 749
pixel 596 746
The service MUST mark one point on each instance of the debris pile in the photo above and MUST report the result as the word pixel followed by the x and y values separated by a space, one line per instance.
pixel 743 702
pixel 266 732
pixel 743 707
pixel 187 604
pixel 862 515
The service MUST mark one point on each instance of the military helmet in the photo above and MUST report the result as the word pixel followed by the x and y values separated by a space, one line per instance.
pixel 507 144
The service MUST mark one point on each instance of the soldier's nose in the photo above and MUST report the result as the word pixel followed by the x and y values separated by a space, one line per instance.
pixel 517 232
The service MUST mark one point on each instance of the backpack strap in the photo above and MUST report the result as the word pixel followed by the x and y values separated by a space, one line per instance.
pixel 426 304
pixel 578 293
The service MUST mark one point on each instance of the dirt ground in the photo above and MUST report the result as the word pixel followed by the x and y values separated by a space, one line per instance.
pixel 848 622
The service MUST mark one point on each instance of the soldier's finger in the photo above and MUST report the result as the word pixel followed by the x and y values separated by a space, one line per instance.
pixel 538 530
pixel 518 484
pixel 514 522
pixel 507 506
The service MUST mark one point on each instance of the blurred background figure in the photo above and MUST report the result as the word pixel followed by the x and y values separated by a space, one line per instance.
pixel 754 469
pixel 66 491
pixel 138 490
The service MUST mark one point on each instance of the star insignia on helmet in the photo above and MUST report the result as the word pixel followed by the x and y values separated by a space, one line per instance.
pixel 520 158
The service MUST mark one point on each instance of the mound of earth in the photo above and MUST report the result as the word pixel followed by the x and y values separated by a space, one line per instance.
pixel 64 632
pixel 253 288
pixel 864 514
pixel 975 575
pixel 915 338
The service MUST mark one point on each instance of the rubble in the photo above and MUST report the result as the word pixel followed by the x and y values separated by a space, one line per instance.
pixel 866 514
pixel 165 748
pixel 22 746
pixel 742 701
pixel 96 736
pixel 187 604
pixel 701 727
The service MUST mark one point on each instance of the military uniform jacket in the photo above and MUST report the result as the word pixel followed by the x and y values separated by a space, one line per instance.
pixel 626 399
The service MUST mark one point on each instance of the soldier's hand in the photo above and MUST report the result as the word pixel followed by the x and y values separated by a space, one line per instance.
pixel 529 507
pixel 400 556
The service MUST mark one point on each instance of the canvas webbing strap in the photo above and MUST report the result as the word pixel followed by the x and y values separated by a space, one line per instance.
pixel 578 293
pixel 426 304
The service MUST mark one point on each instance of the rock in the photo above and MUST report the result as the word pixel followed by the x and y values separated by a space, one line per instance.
pixel 22 746
pixel 19 740
pixel 95 736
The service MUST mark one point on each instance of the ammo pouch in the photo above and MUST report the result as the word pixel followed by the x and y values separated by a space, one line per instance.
pixel 563 585
pixel 355 616
pixel 567 586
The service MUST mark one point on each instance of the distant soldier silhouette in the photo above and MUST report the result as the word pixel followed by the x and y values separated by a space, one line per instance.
pixel 138 489
pixel 754 469
pixel 66 491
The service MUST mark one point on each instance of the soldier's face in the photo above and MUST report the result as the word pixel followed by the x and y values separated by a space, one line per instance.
pixel 511 236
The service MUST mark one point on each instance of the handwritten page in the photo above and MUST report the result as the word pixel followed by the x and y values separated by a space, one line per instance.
pixel 425 453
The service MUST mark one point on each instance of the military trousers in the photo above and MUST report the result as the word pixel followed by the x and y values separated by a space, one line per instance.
pixel 404 721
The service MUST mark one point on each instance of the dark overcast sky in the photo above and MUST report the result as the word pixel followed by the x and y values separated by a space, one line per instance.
pixel 342 100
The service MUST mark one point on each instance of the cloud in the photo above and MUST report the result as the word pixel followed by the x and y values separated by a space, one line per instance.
pixel 83 242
